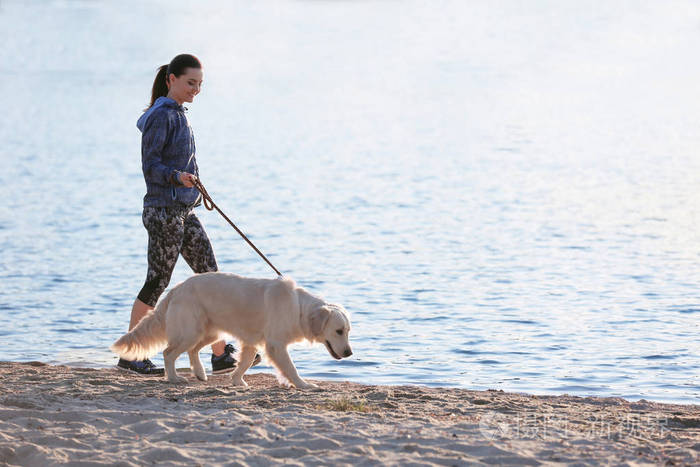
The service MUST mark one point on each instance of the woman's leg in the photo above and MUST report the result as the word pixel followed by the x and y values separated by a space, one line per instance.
pixel 165 235
pixel 218 347
pixel 138 311
pixel 165 231
pixel 197 251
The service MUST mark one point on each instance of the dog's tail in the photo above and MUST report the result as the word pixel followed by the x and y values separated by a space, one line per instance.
pixel 147 337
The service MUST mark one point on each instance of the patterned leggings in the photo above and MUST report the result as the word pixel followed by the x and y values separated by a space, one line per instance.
pixel 172 231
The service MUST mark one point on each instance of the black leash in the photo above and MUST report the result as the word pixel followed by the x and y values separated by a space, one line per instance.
pixel 211 205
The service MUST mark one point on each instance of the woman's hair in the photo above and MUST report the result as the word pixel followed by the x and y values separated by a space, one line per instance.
pixel 177 67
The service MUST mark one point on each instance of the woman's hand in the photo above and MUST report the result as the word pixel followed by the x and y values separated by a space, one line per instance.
pixel 187 179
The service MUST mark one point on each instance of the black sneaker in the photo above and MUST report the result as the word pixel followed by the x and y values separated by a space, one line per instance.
pixel 142 367
pixel 225 363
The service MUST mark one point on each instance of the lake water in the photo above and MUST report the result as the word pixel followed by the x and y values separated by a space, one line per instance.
pixel 503 194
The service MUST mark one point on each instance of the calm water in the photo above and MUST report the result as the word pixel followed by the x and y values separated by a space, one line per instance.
pixel 503 194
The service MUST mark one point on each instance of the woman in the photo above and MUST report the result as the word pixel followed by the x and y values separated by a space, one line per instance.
pixel 169 167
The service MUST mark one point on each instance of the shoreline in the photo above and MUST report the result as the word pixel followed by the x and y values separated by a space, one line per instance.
pixel 59 415
pixel 266 368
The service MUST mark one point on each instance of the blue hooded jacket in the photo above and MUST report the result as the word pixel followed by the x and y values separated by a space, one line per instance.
pixel 167 148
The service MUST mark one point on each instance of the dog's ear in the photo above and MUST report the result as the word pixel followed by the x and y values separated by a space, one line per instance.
pixel 318 319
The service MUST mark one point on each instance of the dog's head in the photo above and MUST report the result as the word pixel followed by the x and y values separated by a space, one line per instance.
pixel 330 324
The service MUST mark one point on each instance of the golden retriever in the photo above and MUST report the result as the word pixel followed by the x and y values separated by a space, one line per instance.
pixel 269 313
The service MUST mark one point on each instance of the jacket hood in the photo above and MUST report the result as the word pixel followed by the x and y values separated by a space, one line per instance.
pixel 160 102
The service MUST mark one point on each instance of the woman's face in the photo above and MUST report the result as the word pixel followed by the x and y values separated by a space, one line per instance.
pixel 183 88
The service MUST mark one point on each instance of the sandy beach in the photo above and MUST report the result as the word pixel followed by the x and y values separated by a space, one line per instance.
pixel 62 415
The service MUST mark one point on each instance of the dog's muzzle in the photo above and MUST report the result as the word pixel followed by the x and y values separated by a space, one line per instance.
pixel 346 353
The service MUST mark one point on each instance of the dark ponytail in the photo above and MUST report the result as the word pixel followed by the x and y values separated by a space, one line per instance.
pixel 177 67
pixel 160 88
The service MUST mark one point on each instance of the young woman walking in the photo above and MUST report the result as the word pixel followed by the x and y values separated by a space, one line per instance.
pixel 169 168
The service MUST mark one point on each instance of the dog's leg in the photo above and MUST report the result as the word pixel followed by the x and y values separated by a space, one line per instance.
pixel 170 354
pixel 280 357
pixel 245 359
pixel 196 364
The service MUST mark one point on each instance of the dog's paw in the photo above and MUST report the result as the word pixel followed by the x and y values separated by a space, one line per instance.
pixel 177 380
pixel 240 383
pixel 306 385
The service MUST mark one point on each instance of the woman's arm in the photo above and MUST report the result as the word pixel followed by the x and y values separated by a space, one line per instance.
pixel 155 134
